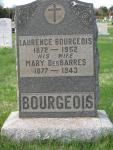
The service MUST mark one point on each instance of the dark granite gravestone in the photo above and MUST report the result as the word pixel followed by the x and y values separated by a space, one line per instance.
pixel 57 59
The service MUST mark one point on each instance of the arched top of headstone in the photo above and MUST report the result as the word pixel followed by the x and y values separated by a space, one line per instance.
pixel 4 21
pixel 5 32
pixel 25 12
pixel 81 10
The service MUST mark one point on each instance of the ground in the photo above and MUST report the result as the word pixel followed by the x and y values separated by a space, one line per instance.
pixel 8 103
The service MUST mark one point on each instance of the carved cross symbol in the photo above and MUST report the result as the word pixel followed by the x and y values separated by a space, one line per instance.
pixel 55 9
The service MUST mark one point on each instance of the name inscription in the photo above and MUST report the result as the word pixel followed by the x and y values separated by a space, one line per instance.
pixel 56 55
pixel 53 102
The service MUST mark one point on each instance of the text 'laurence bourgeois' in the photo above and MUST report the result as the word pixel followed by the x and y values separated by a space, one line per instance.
pixel 56 55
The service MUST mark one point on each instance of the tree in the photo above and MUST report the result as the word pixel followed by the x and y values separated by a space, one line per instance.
pixel 103 11
pixel 96 12
pixel 111 11
pixel 3 13
pixel 7 12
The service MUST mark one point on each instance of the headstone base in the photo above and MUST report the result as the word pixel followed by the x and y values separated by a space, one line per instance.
pixel 55 128
pixel 104 33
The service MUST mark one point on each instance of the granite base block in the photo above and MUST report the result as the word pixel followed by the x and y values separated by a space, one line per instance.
pixel 55 128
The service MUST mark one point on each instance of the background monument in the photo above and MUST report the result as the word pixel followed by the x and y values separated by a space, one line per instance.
pixel 5 32
pixel 102 28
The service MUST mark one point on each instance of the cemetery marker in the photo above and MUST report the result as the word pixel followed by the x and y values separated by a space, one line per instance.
pixel 5 32
pixel 58 69
pixel 57 59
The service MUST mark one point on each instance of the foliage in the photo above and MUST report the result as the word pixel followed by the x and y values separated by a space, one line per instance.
pixel 7 12
pixel 111 10
pixel 103 11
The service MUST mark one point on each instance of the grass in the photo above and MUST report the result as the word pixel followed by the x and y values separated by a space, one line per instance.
pixel 7 82
pixel 104 143
pixel 105 45
pixel 8 102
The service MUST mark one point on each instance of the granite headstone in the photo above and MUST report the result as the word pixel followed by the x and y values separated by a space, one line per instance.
pixel 102 28
pixel 57 59
pixel 5 32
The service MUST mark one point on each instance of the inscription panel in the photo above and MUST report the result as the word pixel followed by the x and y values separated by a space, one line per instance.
pixel 56 55
pixel 57 102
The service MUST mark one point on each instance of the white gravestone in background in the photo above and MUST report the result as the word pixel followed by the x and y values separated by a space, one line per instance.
pixel 102 28
pixel 5 32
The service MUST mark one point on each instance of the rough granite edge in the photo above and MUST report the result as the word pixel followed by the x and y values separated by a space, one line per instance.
pixel 79 128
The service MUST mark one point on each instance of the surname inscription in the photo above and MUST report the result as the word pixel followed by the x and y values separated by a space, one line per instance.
pixel 62 102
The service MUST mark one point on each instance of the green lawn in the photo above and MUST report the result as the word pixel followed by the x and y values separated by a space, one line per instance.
pixel 8 103
pixel 105 45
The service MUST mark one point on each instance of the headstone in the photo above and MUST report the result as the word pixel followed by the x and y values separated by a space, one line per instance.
pixel 5 32
pixel 57 59
pixel 102 28
pixel 57 73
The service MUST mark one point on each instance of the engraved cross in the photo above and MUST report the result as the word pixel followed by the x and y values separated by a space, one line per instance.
pixel 54 10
